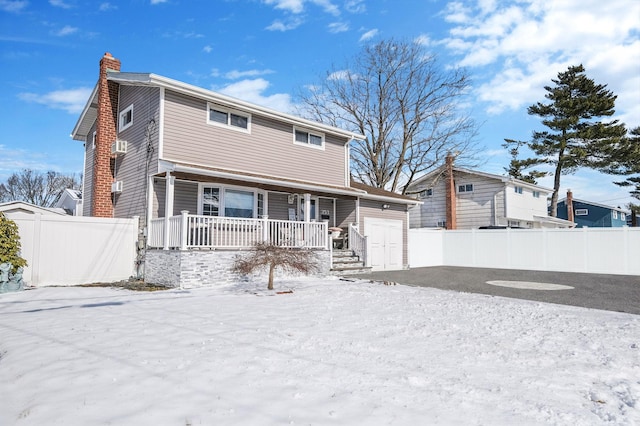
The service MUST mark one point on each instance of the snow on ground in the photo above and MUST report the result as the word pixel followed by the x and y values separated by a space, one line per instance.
pixel 330 353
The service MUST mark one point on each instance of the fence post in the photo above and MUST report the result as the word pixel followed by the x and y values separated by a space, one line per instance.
pixel 184 229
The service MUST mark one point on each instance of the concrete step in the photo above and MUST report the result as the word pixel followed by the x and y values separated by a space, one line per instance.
pixel 350 270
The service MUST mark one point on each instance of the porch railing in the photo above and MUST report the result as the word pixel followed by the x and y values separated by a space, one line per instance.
pixel 358 243
pixel 193 231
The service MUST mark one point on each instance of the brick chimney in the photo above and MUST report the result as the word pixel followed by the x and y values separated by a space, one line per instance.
pixel 570 215
pixel 106 133
pixel 450 184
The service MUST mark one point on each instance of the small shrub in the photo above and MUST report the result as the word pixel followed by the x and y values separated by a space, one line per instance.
pixel 273 257
pixel 10 244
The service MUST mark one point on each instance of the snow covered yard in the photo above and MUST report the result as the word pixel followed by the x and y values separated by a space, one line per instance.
pixel 330 353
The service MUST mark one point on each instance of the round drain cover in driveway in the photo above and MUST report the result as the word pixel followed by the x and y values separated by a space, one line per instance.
pixel 528 285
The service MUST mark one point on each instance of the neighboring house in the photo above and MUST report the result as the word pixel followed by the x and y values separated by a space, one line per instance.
pixel 457 198
pixel 204 170
pixel 12 207
pixel 70 200
pixel 590 214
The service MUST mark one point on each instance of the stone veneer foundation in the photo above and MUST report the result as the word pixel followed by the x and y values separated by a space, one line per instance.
pixel 205 268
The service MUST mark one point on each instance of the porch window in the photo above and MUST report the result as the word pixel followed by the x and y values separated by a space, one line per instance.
pixel 231 202
pixel 238 203
pixel 211 201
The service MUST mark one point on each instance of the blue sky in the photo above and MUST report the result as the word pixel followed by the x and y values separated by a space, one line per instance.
pixel 263 51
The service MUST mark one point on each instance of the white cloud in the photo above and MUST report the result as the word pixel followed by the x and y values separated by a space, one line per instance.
pixel 291 24
pixel 12 6
pixel 66 30
pixel 338 27
pixel 207 49
pixel 253 91
pixel 60 3
pixel 423 40
pixel 327 6
pixel 293 6
pixel 71 100
pixel 107 6
pixel 355 6
pixel 158 1
pixel 523 44
pixel 369 35
pixel 338 75
pixel 235 74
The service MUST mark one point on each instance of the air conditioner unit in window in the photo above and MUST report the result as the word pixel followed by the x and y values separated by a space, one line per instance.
pixel 119 147
pixel 116 187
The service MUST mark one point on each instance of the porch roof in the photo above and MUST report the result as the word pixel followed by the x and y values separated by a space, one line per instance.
pixel 198 172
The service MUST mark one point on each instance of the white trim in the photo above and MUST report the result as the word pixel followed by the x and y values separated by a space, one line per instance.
pixel 122 127
pixel 93 140
pixel 229 112
pixel 309 133
pixel 161 124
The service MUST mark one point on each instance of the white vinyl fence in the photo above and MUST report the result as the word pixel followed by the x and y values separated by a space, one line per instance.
pixel 590 250
pixel 70 250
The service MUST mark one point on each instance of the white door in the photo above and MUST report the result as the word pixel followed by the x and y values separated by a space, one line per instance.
pixel 384 243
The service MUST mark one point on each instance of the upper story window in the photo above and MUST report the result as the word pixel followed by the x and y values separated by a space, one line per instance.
pixel 465 188
pixel 221 116
pixel 518 189
pixel 536 194
pixel 93 140
pixel 623 216
pixel 305 137
pixel 126 118
pixel 614 214
pixel 582 212
pixel 426 193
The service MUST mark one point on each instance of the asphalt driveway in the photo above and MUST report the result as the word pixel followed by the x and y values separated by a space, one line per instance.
pixel 619 293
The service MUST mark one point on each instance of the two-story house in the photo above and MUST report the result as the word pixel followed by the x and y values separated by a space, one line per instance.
pixel 590 214
pixel 207 171
pixel 458 198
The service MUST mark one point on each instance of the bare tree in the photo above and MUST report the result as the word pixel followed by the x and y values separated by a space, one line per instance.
pixel 408 108
pixel 272 256
pixel 41 189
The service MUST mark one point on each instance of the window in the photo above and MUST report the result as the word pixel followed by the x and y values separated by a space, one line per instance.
pixel 232 202
pixel 221 116
pixel 93 141
pixel 623 216
pixel 465 188
pixel 304 137
pixel 426 193
pixel 513 223
pixel 582 212
pixel 211 201
pixel 126 118
pixel 442 224
pixel 518 189
pixel 614 214
pixel 536 194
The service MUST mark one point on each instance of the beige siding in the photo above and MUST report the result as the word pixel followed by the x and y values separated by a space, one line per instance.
pixel 345 213
pixel 373 209
pixel 87 178
pixel 432 210
pixel 185 197
pixel 278 208
pixel 326 204
pixel 267 150
pixel 131 168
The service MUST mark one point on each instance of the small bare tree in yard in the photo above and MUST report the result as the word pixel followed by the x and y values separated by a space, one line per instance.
pixel 272 256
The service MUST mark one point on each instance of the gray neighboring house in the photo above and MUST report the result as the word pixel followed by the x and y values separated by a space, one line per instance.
pixel 457 198
pixel 206 171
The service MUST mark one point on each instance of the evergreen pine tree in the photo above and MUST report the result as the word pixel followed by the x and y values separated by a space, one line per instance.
pixel 10 244
pixel 574 137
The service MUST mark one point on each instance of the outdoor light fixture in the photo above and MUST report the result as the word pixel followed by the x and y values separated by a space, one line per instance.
pixel 385 206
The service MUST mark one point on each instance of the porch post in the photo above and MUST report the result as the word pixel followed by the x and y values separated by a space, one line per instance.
pixel 307 207
pixel 168 207
pixel 148 212
pixel 184 229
